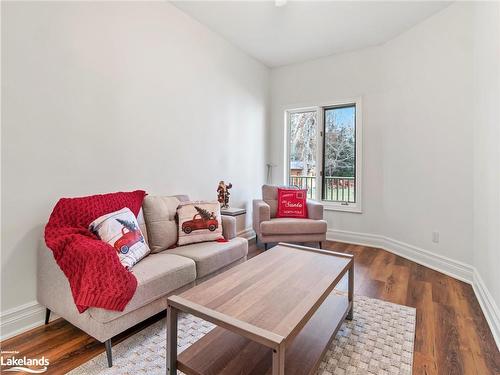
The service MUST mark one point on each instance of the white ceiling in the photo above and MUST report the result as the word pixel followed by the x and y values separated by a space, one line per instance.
pixel 305 30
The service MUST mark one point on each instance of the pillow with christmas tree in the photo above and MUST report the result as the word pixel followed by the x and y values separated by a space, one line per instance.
pixel 121 230
pixel 199 222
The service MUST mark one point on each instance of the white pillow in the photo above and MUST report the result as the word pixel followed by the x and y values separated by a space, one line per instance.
pixel 121 230
pixel 199 222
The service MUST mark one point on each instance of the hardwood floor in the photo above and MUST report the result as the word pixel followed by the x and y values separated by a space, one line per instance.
pixel 452 336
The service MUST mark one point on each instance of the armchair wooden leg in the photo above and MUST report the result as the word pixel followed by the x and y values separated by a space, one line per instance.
pixel 47 316
pixel 109 354
pixel 265 246
pixel 320 244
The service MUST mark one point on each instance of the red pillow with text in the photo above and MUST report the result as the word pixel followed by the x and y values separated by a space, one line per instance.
pixel 292 203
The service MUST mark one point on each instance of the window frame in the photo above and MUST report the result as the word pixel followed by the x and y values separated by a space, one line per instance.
pixel 320 124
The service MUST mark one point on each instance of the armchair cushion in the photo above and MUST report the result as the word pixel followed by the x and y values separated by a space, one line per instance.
pixel 292 203
pixel 280 226
pixel 270 196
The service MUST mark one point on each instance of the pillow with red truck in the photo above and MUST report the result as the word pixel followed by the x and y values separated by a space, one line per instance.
pixel 121 230
pixel 199 222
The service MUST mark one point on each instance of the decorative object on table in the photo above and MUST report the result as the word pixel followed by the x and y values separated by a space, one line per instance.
pixel 223 194
pixel 292 203
pixel 121 230
pixel 199 222
pixel 376 324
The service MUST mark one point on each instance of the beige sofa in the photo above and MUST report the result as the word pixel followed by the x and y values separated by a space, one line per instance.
pixel 269 228
pixel 158 275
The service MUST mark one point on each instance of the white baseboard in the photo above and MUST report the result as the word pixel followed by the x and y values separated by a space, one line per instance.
pixel 450 267
pixel 21 319
pixel 488 305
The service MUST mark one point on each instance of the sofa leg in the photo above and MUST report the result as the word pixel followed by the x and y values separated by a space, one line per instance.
pixel 107 344
pixel 265 246
pixel 47 316
pixel 320 245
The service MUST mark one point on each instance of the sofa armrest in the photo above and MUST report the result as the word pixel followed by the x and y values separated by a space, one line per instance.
pixel 53 290
pixel 228 227
pixel 261 212
pixel 314 210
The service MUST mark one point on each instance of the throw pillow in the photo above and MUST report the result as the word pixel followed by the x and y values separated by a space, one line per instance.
pixel 199 222
pixel 292 203
pixel 159 214
pixel 121 230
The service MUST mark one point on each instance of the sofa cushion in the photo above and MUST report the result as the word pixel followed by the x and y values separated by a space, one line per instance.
pixel 210 256
pixel 157 275
pixel 120 229
pixel 292 226
pixel 159 214
pixel 199 221
pixel 142 225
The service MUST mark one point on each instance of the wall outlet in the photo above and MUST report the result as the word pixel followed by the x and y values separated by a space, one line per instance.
pixel 435 237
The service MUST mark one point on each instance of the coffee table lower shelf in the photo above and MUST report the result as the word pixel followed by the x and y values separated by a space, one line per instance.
pixel 224 352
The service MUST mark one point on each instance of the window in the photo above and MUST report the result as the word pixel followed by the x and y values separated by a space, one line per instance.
pixel 303 150
pixel 324 153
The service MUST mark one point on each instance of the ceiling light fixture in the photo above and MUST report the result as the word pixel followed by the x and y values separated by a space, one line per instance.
pixel 280 3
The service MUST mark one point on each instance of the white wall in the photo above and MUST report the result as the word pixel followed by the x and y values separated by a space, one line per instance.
pixel 487 150
pixel 431 129
pixel 416 99
pixel 108 96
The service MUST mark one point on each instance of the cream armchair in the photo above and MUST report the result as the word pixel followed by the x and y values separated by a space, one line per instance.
pixel 269 228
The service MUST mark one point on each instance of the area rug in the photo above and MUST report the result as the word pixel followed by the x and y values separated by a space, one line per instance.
pixel 379 341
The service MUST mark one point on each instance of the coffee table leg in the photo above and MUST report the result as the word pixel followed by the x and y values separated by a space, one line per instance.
pixel 351 291
pixel 171 340
pixel 279 360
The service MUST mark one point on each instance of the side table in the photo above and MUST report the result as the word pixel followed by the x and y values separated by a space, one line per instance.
pixel 239 214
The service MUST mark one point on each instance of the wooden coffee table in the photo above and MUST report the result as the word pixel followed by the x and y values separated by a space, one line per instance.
pixel 276 313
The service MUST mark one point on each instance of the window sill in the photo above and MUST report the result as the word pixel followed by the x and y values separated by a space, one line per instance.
pixel 338 207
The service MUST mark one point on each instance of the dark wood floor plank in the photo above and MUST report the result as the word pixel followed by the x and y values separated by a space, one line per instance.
pixel 381 268
pixel 396 285
pixel 450 357
pixel 474 331
pixel 420 297
pixel 452 336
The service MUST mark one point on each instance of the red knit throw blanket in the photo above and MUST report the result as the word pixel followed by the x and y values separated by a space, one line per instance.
pixel 95 274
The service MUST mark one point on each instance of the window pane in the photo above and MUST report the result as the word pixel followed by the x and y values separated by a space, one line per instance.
pixel 303 143
pixel 339 167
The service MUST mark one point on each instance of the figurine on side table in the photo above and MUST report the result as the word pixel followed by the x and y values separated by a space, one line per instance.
pixel 223 194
